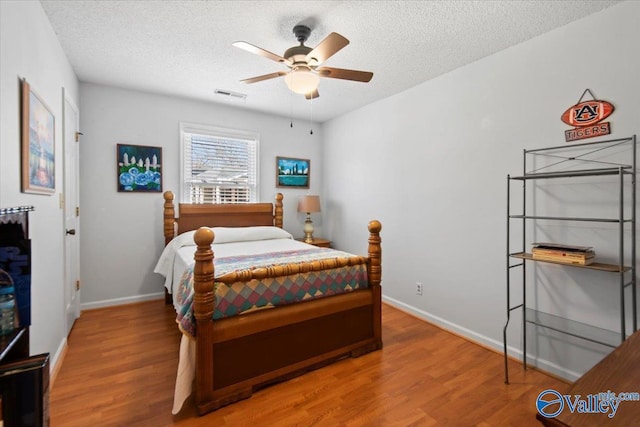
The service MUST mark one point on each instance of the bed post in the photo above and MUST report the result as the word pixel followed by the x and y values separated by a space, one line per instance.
pixel 375 277
pixel 277 214
pixel 203 305
pixel 169 217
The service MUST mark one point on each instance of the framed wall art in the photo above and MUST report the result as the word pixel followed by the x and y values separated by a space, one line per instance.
pixel 139 168
pixel 293 173
pixel 37 143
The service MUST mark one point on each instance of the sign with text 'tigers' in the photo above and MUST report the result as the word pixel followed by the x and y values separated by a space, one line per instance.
pixel 587 119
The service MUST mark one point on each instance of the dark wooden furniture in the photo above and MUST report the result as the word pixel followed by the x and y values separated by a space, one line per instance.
pixel 15 345
pixel 237 355
pixel 24 386
pixel 24 379
pixel 321 243
pixel 618 372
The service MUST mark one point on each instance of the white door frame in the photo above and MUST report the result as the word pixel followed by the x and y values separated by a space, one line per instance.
pixel 71 220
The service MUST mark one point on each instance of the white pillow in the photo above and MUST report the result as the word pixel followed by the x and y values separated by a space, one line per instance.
pixel 234 234
pixel 245 234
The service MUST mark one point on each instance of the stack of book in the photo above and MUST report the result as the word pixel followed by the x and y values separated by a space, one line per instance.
pixel 567 254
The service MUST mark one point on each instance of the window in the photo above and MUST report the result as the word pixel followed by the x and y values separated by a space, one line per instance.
pixel 218 165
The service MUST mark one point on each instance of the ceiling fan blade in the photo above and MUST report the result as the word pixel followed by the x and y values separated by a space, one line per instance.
pixel 341 73
pixel 264 77
pixel 312 95
pixel 327 48
pixel 259 51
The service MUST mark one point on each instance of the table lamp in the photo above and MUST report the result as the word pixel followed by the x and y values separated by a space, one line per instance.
pixel 309 204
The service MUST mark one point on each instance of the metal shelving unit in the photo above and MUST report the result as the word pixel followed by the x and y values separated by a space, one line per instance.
pixel 627 273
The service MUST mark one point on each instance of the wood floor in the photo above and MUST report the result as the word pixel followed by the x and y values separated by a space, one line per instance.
pixel 121 362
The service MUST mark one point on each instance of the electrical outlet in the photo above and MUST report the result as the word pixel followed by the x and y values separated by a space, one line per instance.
pixel 418 288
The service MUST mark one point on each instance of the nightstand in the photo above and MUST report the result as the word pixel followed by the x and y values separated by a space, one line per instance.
pixel 321 243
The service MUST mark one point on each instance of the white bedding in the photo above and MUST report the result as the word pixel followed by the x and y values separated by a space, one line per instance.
pixel 178 254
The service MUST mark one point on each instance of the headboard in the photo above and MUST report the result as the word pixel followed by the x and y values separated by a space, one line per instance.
pixel 194 216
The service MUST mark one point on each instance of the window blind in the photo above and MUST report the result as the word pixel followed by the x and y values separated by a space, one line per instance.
pixel 218 167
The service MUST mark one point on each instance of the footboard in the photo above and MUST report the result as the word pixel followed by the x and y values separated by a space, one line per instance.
pixel 290 339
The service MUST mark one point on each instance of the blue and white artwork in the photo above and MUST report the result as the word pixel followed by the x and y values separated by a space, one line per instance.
pixel 139 168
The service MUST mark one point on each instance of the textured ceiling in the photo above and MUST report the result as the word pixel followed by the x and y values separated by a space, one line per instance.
pixel 184 47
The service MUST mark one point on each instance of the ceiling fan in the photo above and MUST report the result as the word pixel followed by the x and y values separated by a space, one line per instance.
pixel 304 63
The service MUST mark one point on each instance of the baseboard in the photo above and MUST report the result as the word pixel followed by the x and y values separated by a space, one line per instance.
pixel 120 301
pixel 482 340
pixel 56 362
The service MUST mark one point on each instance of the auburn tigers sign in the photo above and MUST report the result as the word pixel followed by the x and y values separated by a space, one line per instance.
pixel 586 118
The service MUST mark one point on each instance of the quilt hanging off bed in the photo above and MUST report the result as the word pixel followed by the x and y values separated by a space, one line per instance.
pixel 241 297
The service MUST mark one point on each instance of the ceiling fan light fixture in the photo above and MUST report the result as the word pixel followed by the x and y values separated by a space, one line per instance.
pixel 302 80
pixel 304 63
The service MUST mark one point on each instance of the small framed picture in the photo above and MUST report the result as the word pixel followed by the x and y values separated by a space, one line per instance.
pixel 38 144
pixel 293 173
pixel 139 168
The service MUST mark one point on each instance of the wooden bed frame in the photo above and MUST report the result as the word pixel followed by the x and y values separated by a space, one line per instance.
pixel 237 355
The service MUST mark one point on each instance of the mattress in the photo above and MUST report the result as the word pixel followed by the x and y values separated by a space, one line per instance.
pixel 242 297
pixel 177 256
pixel 244 248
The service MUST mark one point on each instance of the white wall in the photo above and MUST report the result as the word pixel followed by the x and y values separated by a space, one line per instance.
pixel 121 235
pixel 30 49
pixel 431 164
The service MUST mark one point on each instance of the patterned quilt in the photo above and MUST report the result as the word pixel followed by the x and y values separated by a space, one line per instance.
pixel 241 297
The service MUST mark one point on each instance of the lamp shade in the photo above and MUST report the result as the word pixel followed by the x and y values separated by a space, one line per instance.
pixel 302 80
pixel 309 204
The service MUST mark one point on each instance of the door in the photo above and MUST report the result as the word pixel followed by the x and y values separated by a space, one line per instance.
pixel 71 213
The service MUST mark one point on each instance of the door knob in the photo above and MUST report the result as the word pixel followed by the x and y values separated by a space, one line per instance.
pixel 72 232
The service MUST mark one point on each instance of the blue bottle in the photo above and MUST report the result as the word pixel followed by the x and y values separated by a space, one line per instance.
pixel 8 309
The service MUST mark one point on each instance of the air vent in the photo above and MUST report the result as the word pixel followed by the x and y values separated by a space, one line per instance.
pixel 231 95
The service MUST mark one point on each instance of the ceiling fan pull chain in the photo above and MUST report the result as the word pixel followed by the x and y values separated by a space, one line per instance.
pixel 290 109
pixel 311 119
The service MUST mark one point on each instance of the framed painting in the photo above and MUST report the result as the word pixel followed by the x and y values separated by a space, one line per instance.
pixel 38 144
pixel 139 168
pixel 293 173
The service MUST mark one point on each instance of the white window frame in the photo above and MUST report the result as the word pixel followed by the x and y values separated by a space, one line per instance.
pixel 217 132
